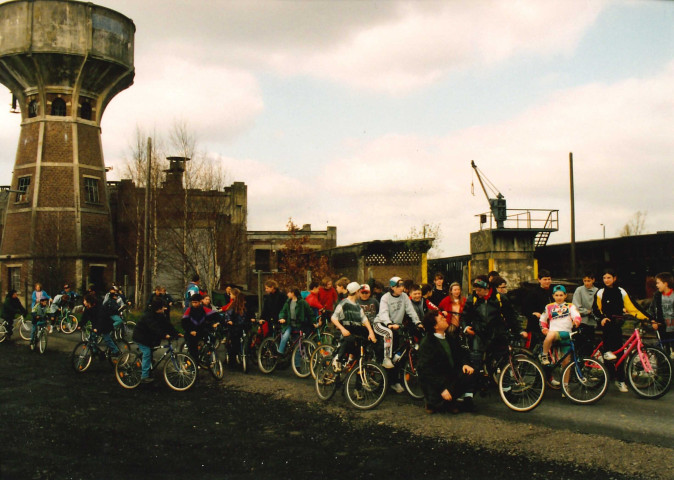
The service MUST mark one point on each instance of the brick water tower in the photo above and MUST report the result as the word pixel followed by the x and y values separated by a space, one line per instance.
pixel 63 62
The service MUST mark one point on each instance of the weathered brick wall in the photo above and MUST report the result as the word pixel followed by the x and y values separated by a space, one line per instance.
pixel 96 234
pixel 55 233
pixel 58 142
pixel 89 145
pixel 16 235
pixel 28 138
pixel 56 187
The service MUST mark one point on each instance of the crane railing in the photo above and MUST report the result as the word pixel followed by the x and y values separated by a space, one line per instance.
pixel 523 219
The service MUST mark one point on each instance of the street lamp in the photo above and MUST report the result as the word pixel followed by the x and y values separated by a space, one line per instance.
pixel 604 229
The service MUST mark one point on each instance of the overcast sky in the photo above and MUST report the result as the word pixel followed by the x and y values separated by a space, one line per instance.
pixel 366 114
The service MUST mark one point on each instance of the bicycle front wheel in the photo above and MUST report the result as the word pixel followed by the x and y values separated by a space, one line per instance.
pixel 245 352
pixel 585 381
pixel 321 352
pixel 3 332
pixel 651 376
pixel 42 340
pixel 80 358
pixel 180 372
pixel 123 348
pixel 128 370
pixel 301 358
pixel 521 384
pixel 411 377
pixel 267 355
pixel 69 324
pixel 326 378
pixel 25 327
pixel 366 386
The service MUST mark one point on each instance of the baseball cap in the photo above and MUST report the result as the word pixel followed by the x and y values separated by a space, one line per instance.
pixel 365 287
pixel 353 287
pixel 559 288
pixel 394 281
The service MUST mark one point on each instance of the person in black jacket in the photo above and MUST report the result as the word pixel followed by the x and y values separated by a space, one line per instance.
pixel 150 330
pixel 444 370
pixel 101 321
pixel 273 302
pixel 662 310
pixel 534 305
pixel 197 321
pixel 10 309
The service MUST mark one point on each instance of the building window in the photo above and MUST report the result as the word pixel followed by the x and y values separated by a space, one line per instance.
pixel 32 109
pixel 262 262
pixel 58 107
pixel 91 190
pixel 85 110
pixel 24 183
pixel 14 278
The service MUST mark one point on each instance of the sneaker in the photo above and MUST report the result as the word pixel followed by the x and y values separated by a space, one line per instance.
pixel 387 363
pixel 554 382
pixel 336 366
pixel 544 359
pixel 147 380
pixel 622 387
pixel 610 356
pixel 396 387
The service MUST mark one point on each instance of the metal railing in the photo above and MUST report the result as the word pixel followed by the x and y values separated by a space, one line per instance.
pixel 523 219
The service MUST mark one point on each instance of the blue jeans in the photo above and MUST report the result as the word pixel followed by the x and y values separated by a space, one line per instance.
pixel 41 322
pixel 285 337
pixel 116 321
pixel 146 361
pixel 111 345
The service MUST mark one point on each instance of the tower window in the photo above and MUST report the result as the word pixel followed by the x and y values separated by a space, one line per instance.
pixel 14 278
pixel 58 107
pixel 91 190
pixel 24 183
pixel 85 110
pixel 32 109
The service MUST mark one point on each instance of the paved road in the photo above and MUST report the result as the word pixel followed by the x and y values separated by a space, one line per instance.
pixel 397 439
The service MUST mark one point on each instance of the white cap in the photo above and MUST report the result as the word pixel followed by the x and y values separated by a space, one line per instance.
pixel 353 287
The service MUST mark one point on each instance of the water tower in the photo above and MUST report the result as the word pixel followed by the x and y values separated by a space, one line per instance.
pixel 63 62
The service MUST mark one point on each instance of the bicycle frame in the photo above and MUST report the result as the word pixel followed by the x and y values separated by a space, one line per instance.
pixel 627 348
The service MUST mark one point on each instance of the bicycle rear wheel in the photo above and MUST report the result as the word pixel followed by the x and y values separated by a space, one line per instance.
pixel 267 355
pixel 321 352
pixel 80 358
pixel 326 378
pixel 42 340
pixel 128 370
pixel 650 381
pixel 180 372
pixel 301 358
pixel 411 376
pixel 69 324
pixel 585 381
pixel 25 327
pixel 521 384
pixel 366 386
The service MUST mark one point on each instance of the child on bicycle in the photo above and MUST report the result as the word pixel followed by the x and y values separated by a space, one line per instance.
pixel 609 306
pixel 40 316
pixel 351 321
pixel 662 310
pixel 557 320
pixel 101 322
pixel 58 302
pixel 235 319
pixel 12 307
pixel 296 314
pixel 150 330
pixel 196 322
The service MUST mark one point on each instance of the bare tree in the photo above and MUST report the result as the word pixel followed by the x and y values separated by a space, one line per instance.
pixel 635 226
pixel 427 230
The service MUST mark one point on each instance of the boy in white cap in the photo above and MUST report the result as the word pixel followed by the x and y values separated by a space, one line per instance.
pixel 351 321
pixel 392 309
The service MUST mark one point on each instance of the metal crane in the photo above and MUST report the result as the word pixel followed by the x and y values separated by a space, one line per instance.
pixel 496 205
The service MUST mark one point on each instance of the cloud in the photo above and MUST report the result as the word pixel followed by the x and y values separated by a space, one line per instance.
pixel 390 47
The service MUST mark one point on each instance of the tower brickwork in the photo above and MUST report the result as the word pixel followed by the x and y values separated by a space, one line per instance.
pixel 63 61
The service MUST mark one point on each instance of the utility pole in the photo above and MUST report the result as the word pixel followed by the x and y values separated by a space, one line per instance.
pixel 573 219
pixel 147 287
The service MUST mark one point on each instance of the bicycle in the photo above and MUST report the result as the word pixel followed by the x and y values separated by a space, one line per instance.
pixel 583 380
pixel 80 357
pixel 408 353
pixel 25 326
pixel 3 330
pixel 647 369
pixel 322 334
pixel 207 356
pixel 364 382
pixel 242 354
pixel 299 350
pixel 180 370
pixel 124 331
pixel 40 340
pixel 65 321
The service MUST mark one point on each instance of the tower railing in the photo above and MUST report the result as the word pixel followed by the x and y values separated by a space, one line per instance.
pixel 523 219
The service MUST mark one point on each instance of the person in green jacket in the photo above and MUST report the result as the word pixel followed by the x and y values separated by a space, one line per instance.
pixel 296 314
